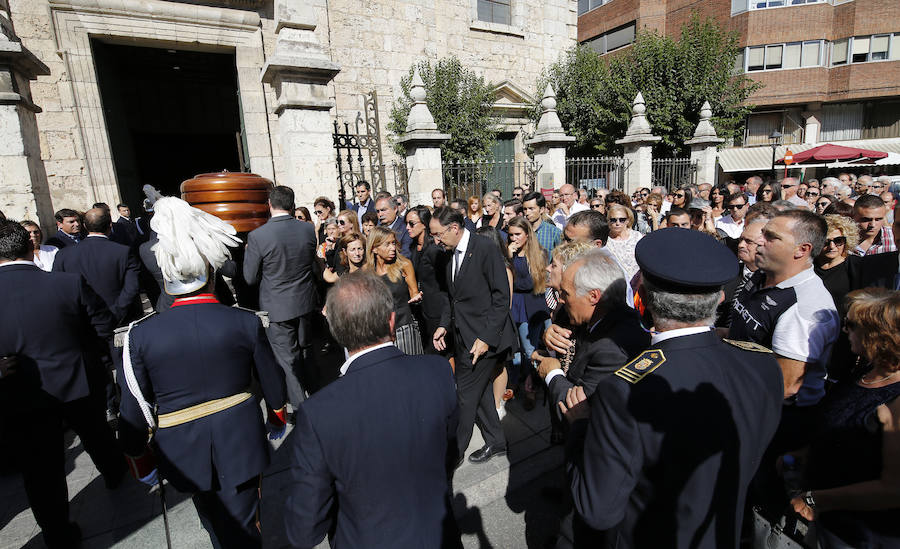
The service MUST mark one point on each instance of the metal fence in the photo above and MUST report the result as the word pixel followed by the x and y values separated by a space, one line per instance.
pixel 672 173
pixel 596 172
pixel 465 179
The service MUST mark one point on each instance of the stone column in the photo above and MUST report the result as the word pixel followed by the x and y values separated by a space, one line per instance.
pixel 299 71
pixel 423 146
pixel 24 192
pixel 549 143
pixel 638 143
pixel 704 147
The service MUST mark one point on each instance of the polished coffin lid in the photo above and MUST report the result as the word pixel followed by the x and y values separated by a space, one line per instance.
pixel 240 199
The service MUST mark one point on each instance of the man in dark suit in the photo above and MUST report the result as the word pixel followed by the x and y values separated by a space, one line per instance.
pixel 68 229
pixel 51 322
pixel 609 332
pixel 460 205
pixel 109 268
pixel 388 210
pixel 482 327
pixel 674 437
pixel 369 452
pixel 364 202
pixel 126 226
pixel 280 257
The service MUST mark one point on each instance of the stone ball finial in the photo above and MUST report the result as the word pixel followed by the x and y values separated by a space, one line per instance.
pixel 638 107
pixel 548 103
pixel 417 90
pixel 705 111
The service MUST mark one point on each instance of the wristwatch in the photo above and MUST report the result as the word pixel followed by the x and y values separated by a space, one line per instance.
pixel 809 500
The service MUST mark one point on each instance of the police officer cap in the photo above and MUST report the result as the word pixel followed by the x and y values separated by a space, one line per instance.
pixel 685 259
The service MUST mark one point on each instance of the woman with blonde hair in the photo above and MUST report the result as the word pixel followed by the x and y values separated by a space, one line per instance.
pixel 474 209
pixel 622 238
pixel 493 212
pixel 348 223
pixel 838 269
pixel 383 259
pixel 852 467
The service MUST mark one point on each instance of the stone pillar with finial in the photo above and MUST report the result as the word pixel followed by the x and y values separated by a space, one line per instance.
pixel 422 141
pixel 638 143
pixel 24 190
pixel 704 147
pixel 549 144
pixel 300 70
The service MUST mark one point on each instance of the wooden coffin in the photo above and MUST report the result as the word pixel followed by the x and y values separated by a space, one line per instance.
pixel 241 199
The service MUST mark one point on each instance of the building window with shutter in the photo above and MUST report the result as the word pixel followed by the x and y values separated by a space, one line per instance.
pixel 865 49
pixel 585 6
pixel 612 40
pixel 495 11
pixel 792 55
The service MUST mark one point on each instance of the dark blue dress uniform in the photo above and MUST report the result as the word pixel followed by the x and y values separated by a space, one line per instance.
pixel 676 435
pixel 197 352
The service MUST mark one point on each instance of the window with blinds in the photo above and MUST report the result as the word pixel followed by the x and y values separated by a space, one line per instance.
pixel 495 11
pixel 585 6
pixel 864 49
pixel 612 40
pixel 760 126
pixel 841 122
pixel 793 55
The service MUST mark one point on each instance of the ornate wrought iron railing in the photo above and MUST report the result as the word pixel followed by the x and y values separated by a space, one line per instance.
pixel 606 172
pixel 476 177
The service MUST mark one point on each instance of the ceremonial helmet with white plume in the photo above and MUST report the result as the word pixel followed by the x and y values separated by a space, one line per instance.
pixel 190 242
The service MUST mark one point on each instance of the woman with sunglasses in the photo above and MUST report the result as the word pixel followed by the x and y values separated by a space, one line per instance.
pixel 324 209
pixel 302 214
pixel 823 202
pixel 347 222
pixel 769 192
pixel 622 239
pixel 650 216
pixel 383 259
pixel 812 196
pixel 430 266
pixel 851 466
pixel 683 197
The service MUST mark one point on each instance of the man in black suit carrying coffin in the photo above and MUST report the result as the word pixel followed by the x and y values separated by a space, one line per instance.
pixel 483 330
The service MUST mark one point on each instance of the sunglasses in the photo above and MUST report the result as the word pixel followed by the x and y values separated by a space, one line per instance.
pixel 823 204
pixel 810 193
pixel 736 206
pixel 679 195
pixel 618 219
pixel 837 241
pixel 320 212
pixel 596 206
pixel 342 222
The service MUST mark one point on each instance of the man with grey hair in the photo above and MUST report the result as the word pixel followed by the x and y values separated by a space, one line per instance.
pixel 388 209
pixel 751 186
pixel 668 444
pixel 789 187
pixel 376 439
pixel 829 185
pixel 843 192
pixel 568 205
pixel 607 333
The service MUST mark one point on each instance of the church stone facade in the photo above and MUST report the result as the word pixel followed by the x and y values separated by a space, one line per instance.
pixel 82 119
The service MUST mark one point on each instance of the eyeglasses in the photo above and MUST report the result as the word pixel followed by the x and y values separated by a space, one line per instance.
pixel 320 212
pixel 748 241
pixel 811 193
pixel 618 219
pixel 736 206
pixel 441 234
pixel 596 205
pixel 837 241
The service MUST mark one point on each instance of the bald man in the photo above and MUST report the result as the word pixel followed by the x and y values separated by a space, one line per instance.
pixel 568 205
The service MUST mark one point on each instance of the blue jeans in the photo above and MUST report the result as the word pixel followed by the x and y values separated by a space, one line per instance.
pixel 530 334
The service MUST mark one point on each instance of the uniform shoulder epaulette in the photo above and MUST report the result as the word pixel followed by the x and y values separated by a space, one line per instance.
pixel 747 345
pixel 638 368
pixel 120 333
pixel 263 316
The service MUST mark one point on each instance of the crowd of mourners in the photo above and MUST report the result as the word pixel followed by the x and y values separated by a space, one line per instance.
pixel 816 287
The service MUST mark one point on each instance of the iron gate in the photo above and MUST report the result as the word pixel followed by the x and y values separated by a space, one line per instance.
pixel 359 151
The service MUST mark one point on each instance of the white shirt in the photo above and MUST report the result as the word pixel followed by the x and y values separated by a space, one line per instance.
pixel 459 254
pixel 560 217
pixel 17 262
pixel 45 260
pixel 658 337
pixel 732 228
pixel 354 356
pixel 95 235
pixel 280 215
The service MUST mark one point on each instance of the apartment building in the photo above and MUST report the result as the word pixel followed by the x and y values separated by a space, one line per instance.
pixel 830 68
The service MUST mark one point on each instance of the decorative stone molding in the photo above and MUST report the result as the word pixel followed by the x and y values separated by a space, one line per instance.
pixel 549 143
pixel 704 146
pixel 638 147
pixel 423 146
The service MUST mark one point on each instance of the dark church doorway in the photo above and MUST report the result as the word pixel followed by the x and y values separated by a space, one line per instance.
pixel 170 114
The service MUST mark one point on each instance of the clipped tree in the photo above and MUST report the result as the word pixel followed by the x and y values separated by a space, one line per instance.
pixel 460 102
pixel 594 93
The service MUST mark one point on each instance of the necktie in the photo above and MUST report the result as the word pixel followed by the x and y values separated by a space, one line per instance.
pixel 455 263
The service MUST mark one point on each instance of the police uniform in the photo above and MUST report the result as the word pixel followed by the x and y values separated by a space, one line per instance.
pixel 188 372
pixel 675 436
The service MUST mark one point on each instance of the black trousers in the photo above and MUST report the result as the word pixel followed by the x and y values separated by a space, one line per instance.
pixel 35 445
pixel 87 417
pixel 230 515
pixel 288 339
pixel 476 398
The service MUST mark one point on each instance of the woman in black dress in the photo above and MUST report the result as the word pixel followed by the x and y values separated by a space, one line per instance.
pixel 430 265
pixel 852 468
pixel 383 259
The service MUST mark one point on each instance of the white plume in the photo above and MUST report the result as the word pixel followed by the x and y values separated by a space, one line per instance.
pixel 189 239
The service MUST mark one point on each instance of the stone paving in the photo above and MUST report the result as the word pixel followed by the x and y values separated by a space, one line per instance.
pixel 512 501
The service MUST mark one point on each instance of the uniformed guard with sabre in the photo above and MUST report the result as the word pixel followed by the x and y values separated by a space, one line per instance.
pixel 187 382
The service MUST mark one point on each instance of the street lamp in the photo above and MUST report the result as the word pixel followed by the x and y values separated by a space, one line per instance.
pixel 775 139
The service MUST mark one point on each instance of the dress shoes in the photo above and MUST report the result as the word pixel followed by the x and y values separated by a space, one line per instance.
pixel 486 453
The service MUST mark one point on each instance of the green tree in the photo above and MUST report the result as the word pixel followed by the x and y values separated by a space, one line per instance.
pixel 594 93
pixel 460 102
